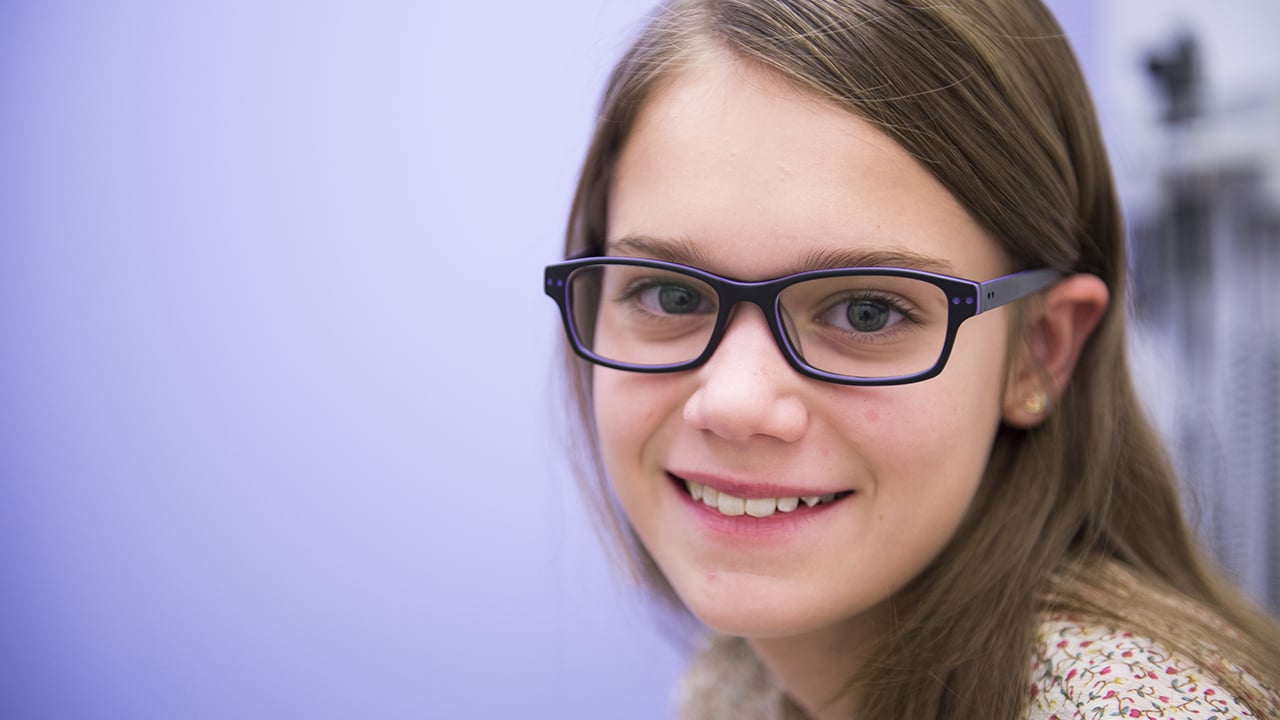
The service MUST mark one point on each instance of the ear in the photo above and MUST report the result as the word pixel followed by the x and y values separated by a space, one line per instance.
pixel 1056 329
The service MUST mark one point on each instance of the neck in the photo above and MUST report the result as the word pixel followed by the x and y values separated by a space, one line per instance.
pixel 815 668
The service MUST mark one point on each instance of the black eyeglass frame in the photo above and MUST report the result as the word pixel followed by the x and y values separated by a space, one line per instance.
pixel 966 299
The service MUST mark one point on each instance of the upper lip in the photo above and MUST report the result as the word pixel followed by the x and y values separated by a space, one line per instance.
pixel 748 489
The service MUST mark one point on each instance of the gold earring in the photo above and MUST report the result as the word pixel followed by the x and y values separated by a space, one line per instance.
pixel 1036 403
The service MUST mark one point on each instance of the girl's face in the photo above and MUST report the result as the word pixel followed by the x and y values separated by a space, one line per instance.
pixel 734 171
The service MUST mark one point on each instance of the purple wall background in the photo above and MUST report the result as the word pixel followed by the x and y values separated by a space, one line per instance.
pixel 274 361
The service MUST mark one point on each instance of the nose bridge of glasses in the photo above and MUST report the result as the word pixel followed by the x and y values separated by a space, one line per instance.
pixel 763 296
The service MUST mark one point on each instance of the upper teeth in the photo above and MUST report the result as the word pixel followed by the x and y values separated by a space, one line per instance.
pixel 755 507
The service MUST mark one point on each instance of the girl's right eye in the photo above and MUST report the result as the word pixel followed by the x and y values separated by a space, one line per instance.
pixel 668 298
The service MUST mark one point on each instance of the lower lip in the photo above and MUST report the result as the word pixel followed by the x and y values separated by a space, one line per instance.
pixel 778 526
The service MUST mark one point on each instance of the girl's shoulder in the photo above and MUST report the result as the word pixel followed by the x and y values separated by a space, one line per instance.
pixel 1086 669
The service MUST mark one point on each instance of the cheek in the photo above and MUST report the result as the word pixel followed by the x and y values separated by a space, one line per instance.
pixel 616 411
pixel 630 411
pixel 972 382
pixel 920 445
pixel 636 415
pixel 934 438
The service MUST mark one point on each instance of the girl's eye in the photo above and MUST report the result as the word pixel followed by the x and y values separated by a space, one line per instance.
pixel 867 315
pixel 672 299
pixel 862 315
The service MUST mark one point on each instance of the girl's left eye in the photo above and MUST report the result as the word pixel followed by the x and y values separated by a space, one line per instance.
pixel 862 315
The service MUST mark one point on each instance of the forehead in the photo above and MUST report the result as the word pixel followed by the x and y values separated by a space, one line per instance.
pixel 752 175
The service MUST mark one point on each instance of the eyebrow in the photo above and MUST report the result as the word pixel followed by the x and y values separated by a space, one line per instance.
pixel 686 252
pixel 681 250
pixel 874 257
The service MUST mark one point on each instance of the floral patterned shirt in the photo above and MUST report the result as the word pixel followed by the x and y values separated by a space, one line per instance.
pixel 1085 671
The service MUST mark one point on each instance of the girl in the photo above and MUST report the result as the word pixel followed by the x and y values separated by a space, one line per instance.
pixel 845 301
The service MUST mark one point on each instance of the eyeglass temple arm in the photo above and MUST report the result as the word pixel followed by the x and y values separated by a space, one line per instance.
pixel 1003 290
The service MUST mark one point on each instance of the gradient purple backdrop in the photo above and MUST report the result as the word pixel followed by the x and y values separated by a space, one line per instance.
pixel 276 432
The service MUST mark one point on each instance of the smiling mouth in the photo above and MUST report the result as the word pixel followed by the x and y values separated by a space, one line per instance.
pixel 733 506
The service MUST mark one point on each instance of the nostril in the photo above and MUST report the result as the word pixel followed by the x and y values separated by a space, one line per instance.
pixel 750 406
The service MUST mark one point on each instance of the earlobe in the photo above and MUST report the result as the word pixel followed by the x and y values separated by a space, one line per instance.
pixel 1056 330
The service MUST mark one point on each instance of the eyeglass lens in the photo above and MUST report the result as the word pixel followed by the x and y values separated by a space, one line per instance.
pixel 868 326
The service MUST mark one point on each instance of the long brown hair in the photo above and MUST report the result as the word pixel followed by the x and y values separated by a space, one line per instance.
pixel 1073 514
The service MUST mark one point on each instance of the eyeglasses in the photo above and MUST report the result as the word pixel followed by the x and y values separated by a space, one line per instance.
pixel 852 326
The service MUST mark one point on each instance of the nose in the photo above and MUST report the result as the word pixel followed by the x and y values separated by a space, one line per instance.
pixel 747 388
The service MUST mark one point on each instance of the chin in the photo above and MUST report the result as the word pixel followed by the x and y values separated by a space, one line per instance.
pixel 754 612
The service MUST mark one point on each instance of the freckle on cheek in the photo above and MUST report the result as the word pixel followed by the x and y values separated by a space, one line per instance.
pixel 872 415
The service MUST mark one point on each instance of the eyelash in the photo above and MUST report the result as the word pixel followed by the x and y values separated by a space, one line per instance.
pixel 640 286
pixel 895 304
